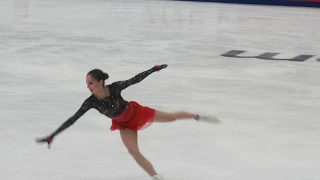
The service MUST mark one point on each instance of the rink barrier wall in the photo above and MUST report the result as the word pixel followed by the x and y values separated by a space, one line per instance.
pixel 301 3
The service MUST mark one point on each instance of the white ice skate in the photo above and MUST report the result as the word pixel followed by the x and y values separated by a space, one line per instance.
pixel 209 119
pixel 157 177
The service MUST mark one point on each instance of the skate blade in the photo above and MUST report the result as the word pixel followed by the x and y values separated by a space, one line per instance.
pixel 211 120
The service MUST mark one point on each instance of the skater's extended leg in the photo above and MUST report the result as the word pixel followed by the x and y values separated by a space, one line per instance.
pixel 168 117
pixel 130 140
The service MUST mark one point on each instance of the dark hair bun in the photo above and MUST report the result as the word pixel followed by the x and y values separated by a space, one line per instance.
pixel 106 76
pixel 98 75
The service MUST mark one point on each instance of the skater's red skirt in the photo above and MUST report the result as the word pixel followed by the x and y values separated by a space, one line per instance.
pixel 135 117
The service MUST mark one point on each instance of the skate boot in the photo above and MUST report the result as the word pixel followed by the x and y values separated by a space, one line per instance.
pixel 208 119
pixel 157 177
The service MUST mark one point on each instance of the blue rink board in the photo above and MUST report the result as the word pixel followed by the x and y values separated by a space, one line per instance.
pixel 301 3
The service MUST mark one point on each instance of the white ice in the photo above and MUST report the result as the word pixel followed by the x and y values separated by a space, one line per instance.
pixel 270 109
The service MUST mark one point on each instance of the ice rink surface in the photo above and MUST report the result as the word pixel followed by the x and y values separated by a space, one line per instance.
pixel 270 109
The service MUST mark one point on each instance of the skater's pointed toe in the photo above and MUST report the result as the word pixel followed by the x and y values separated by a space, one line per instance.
pixel 209 119
pixel 157 177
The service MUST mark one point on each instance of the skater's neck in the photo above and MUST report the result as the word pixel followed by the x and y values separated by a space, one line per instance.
pixel 103 93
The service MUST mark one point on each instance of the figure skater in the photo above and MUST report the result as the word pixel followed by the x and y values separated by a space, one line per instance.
pixel 127 117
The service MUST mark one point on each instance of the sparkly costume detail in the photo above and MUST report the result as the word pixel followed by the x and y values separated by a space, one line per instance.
pixel 112 106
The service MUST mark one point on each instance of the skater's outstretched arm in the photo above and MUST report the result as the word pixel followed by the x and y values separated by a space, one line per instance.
pixel 86 105
pixel 138 78
pixel 81 111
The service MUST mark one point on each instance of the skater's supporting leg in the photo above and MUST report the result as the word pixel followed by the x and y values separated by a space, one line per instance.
pixel 168 117
pixel 130 140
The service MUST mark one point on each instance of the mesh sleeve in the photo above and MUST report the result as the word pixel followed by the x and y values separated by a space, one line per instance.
pixel 86 105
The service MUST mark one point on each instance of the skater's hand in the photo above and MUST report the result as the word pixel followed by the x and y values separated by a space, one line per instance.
pixel 159 67
pixel 47 140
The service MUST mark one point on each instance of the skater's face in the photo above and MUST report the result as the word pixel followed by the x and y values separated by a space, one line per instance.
pixel 93 85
